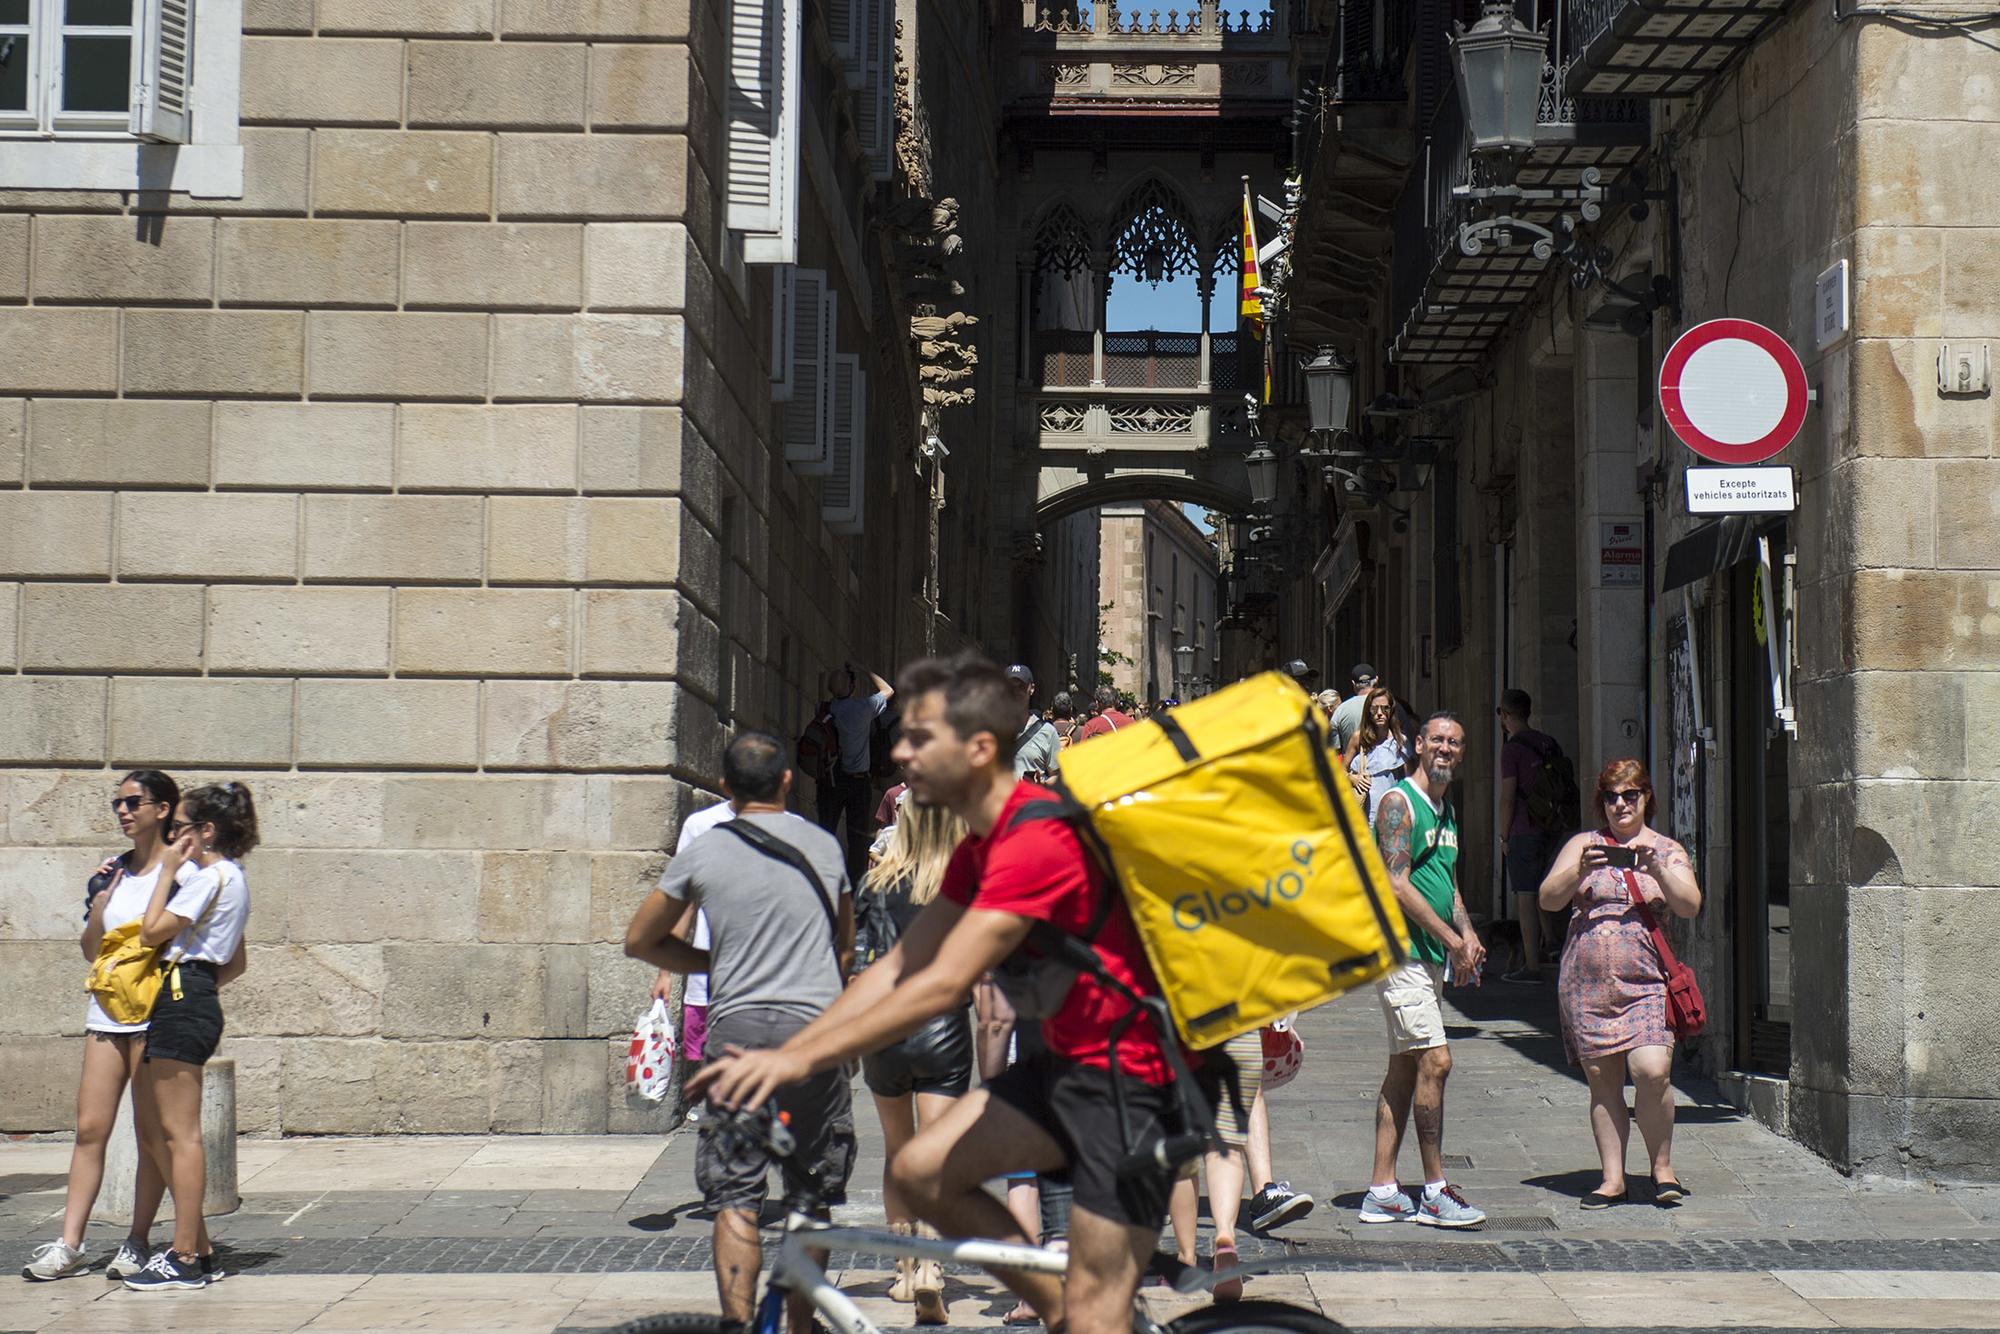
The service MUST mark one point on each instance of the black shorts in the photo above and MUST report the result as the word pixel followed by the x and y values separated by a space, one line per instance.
pixel 821 1119
pixel 188 1029
pixel 1075 1105
pixel 937 1058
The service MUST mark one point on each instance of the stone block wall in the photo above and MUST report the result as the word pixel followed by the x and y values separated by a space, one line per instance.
pixel 428 489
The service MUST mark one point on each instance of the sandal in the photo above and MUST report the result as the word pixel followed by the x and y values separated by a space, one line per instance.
pixel 1229 1289
pixel 1022 1314
pixel 1597 1199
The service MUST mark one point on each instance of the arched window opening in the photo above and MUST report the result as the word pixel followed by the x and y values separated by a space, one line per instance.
pixel 1063 298
pixel 1153 310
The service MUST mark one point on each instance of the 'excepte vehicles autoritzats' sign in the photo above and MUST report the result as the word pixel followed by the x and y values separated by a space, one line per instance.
pixel 1733 391
pixel 1741 491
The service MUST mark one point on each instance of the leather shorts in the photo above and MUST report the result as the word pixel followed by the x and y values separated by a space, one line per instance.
pixel 937 1058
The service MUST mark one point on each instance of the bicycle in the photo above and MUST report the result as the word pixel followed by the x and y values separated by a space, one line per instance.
pixel 795 1271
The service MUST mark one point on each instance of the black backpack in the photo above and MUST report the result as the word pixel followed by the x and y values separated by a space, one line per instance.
pixel 817 751
pixel 1555 802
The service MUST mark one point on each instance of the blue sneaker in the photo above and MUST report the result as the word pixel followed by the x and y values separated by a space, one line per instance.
pixel 1448 1209
pixel 1398 1208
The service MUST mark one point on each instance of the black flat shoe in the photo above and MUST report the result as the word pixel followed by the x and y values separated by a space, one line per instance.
pixel 1670 1192
pixel 1599 1200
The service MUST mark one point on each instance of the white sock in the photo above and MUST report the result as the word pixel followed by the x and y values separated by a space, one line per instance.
pixel 1387 1192
pixel 1433 1189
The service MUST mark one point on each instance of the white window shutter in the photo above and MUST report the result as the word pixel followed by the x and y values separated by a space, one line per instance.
pixel 163 82
pixel 858 59
pixel 803 419
pixel 840 496
pixel 763 143
pixel 784 291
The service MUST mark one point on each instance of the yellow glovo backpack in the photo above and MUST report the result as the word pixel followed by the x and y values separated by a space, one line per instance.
pixel 1243 855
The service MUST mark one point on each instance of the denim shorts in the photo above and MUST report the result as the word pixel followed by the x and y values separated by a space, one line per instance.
pixel 188 1029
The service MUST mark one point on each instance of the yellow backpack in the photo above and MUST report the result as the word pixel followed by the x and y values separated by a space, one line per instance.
pixel 1243 855
pixel 127 975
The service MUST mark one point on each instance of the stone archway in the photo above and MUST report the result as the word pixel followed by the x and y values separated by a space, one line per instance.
pixel 1062 491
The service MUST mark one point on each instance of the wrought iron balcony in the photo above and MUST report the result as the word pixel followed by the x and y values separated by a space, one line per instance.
pixel 1659 48
pixel 1370 54
pixel 1449 305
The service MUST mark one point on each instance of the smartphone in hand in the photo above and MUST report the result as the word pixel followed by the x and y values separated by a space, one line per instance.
pixel 1623 859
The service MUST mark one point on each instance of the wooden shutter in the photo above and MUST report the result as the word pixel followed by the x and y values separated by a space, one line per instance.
pixel 784 291
pixel 875 98
pixel 763 141
pixel 842 27
pixel 804 420
pixel 164 71
pixel 840 496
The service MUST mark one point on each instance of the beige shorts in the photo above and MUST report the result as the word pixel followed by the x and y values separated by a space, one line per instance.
pixel 1411 1004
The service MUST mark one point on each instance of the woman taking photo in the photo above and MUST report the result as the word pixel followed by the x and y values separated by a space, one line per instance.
pixel 915 1080
pixel 197 912
pixel 1613 990
pixel 118 894
pixel 1378 754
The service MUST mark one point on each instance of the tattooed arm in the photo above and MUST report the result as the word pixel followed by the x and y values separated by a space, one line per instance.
pixel 1668 863
pixel 1393 828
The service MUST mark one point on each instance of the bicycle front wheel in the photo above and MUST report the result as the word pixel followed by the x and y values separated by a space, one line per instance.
pixel 1254 1317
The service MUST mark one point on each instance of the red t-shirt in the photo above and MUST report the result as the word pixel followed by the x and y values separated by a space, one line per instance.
pixel 1104 724
pixel 1040 870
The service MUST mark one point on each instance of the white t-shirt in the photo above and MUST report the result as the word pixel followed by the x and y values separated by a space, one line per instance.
pixel 692 828
pixel 216 936
pixel 127 904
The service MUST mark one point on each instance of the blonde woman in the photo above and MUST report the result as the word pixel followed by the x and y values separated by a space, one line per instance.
pixel 915 1080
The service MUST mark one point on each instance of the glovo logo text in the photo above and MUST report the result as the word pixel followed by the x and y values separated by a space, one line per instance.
pixel 1194 911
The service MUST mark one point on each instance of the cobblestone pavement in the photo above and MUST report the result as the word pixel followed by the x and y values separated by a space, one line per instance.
pixel 550 1234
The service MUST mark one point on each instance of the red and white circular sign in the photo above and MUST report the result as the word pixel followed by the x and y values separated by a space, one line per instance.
pixel 1733 391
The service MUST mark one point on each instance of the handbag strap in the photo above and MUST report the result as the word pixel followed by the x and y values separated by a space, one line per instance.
pixel 1667 959
pixel 764 841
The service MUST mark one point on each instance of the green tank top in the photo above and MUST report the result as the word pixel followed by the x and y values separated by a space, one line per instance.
pixel 1433 865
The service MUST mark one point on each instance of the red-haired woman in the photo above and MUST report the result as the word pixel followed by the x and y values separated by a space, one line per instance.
pixel 1614 989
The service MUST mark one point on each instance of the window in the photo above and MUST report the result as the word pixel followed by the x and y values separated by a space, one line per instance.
pixel 842 497
pixel 95 67
pixel 81 80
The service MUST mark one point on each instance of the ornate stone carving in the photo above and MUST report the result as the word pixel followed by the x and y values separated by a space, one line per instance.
pixel 1246 74
pixel 1155 237
pixel 1152 418
pixel 1063 74
pixel 1059 418
pixel 1153 76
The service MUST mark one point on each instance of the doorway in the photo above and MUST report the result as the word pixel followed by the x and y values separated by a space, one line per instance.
pixel 1760 835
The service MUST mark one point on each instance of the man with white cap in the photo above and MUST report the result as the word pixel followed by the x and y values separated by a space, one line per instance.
pixel 1035 749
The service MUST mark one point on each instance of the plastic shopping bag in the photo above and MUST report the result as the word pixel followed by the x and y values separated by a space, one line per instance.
pixel 1284 1052
pixel 649 1062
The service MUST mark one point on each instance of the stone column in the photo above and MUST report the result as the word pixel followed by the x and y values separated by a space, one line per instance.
pixel 218 1144
pixel 1611 651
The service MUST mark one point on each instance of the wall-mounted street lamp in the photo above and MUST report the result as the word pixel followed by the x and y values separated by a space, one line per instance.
pixel 1329 390
pixel 1499 64
pixel 1262 466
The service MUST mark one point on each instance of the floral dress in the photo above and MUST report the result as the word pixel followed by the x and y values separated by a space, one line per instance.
pixel 1613 990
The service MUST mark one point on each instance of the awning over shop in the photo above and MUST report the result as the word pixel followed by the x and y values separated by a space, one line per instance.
pixel 1714 547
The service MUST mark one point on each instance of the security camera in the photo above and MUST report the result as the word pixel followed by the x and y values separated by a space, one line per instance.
pixel 934 447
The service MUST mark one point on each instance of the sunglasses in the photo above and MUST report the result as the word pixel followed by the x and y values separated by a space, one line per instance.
pixel 1630 796
pixel 133 803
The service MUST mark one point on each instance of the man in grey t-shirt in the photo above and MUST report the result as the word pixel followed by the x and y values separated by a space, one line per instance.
pixel 779 940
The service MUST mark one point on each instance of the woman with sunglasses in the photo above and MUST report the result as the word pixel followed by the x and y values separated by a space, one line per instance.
pixel 1613 990
pixel 117 896
pixel 198 913
pixel 1378 754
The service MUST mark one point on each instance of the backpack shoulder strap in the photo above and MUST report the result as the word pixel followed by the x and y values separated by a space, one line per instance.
pixel 764 841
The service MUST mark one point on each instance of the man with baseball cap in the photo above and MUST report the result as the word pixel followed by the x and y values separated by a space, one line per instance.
pixel 1347 718
pixel 1036 747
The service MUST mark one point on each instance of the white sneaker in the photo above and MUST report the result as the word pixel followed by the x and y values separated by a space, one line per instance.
pixel 131 1258
pixel 55 1259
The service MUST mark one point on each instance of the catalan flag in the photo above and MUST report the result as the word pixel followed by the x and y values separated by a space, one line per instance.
pixel 1252 309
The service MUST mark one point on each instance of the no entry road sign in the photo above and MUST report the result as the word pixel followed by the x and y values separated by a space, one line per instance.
pixel 1733 391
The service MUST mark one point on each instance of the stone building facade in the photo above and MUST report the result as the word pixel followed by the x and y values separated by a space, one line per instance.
pixel 1807 688
pixel 428 440
pixel 1159 602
